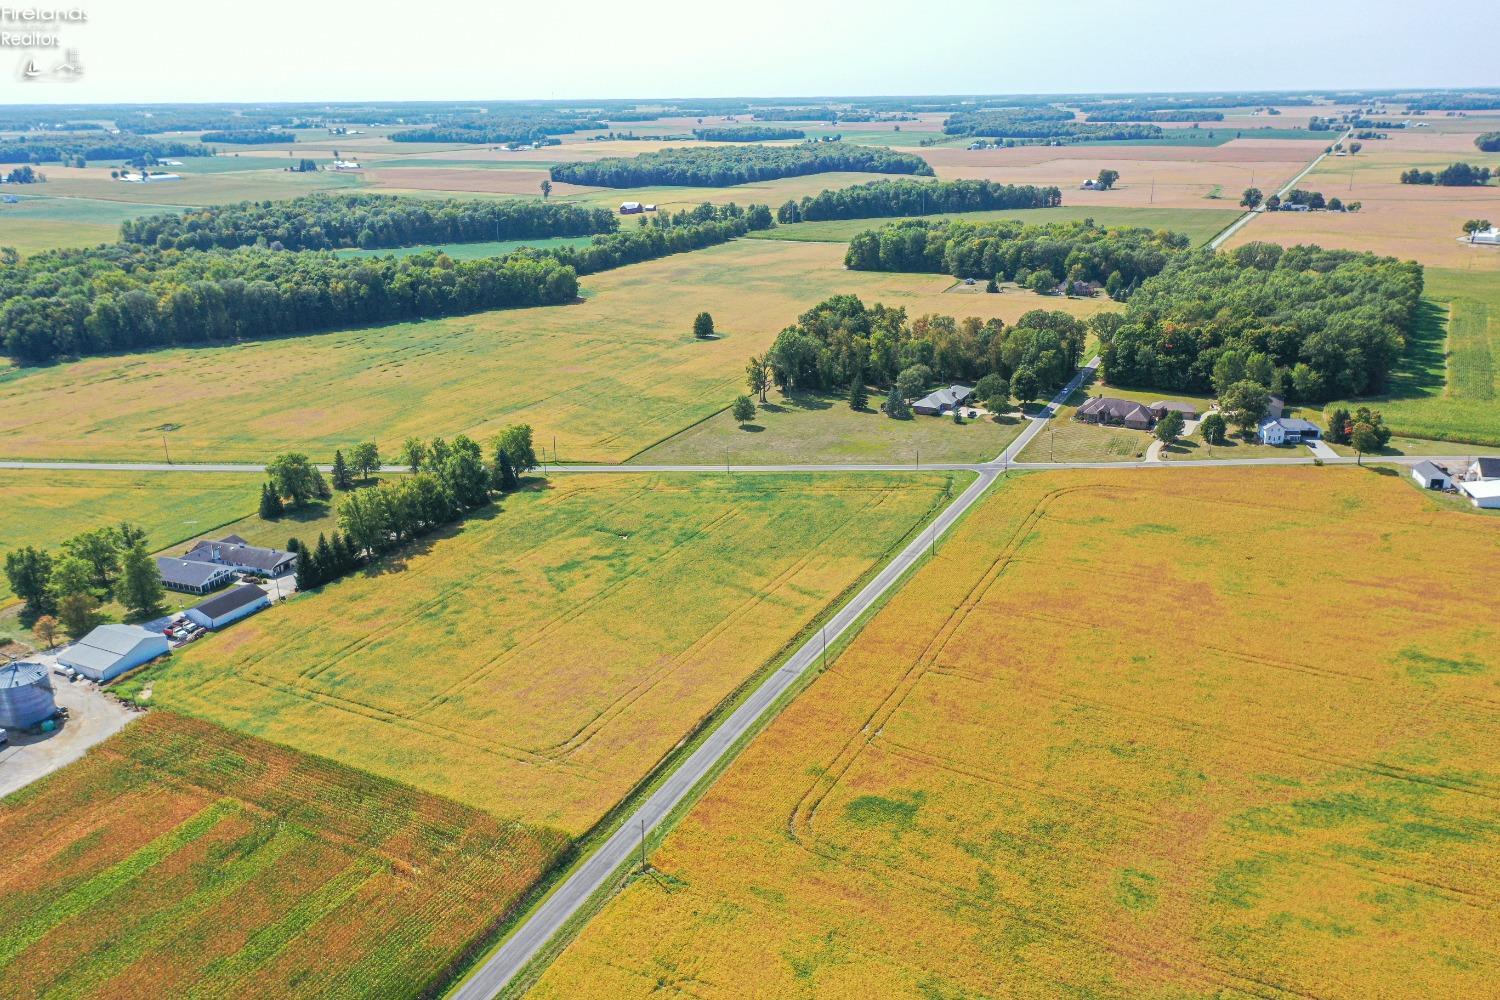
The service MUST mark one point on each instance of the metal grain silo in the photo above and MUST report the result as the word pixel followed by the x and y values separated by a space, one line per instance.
pixel 25 695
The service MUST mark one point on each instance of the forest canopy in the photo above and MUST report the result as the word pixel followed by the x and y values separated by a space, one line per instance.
pixel 327 222
pixel 747 133
pixel 729 165
pixel 877 199
pixel 1328 323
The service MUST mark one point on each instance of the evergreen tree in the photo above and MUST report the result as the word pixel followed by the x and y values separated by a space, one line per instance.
pixel 307 567
pixel 271 506
pixel 895 406
pixel 342 479
pixel 323 557
pixel 859 396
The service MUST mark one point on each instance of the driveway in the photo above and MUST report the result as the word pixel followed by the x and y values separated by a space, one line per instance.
pixel 92 718
pixel 1321 450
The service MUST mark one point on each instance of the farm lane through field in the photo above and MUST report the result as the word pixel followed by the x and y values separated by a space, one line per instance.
pixel 1250 215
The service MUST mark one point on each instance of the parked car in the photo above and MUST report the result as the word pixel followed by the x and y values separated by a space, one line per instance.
pixel 4 737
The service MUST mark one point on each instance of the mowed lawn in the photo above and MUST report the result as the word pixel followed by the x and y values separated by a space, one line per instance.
pixel 608 376
pixel 45 506
pixel 178 859
pixel 539 661
pixel 1200 224
pixel 1446 387
pixel 1079 755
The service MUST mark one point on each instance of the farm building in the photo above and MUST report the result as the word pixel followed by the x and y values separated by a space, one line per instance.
pixel 1287 430
pixel 237 554
pixel 1162 407
pixel 1109 410
pixel 230 606
pixel 1484 493
pixel 1482 468
pixel 25 695
pixel 110 650
pixel 191 576
pixel 1488 237
pixel 943 400
pixel 1431 476
pixel 631 208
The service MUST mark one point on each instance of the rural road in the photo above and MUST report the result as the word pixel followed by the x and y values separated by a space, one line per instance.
pixel 1245 219
pixel 491 977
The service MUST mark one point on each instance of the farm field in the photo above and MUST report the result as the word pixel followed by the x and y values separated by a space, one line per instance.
pixel 1201 224
pixel 178 859
pixel 811 429
pixel 540 660
pixel 1071 757
pixel 195 188
pixel 42 223
pixel 1446 387
pixel 608 377
pixel 45 506
pixel 472 251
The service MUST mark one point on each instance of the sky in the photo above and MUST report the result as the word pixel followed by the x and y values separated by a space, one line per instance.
pixel 175 51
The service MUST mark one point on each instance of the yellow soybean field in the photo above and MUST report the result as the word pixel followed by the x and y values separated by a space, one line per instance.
pixel 540 660
pixel 1210 732
pixel 178 859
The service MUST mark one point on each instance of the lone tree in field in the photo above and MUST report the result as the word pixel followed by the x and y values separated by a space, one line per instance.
pixel 1106 179
pixel 744 410
pixel 703 326
pixel 992 286
pixel 1364 438
pixel 1169 428
pixel 1355 147
pixel 1251 199
pixel 293 475
pixel 758 376
pixel 546 188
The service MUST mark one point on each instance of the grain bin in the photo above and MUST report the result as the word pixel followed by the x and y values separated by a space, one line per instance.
pixel 25 695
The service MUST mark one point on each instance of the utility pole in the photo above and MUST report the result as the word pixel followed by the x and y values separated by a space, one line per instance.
pixel 919 458
pixel 1152 200
pixel 554 449
pixel 164 447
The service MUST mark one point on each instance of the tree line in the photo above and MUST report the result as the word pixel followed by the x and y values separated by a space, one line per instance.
pixel 877 199
pixel 723 167
pixel 1119 258
pixel 1141 115
pixel 92 567
pixel 842 343
pixel 746 133
pixel 61 150
pixel 1453 175
pixel 1005 125
pixel 370 221
pixel 1307 323
pixel 247 136
pixel 492 130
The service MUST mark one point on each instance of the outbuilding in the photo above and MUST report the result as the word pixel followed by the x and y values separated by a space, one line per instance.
pixel 192 577
pixel 25 695
pixel 110 650
pixel 1485 493
pixel 1162 407
pixel 230 606
pixel 631 208
pixel 1431 476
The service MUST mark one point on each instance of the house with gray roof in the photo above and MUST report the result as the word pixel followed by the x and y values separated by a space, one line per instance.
pixel 191 576
pixel 238 555
pixel 1287 430
pixel 1431 476
pixel 943 400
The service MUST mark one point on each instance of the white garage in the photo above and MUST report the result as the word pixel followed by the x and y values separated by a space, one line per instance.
pixel 1485 493
pixel 230 606
pixel 111 650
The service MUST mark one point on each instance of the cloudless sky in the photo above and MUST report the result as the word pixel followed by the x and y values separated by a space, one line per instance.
pixel 313 50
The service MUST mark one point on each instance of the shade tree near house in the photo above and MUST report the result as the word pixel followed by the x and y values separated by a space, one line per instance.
pixel 1213 427
pixel 1473 227
pixel 1245 404
pixel 1251 199
pixel 1106 180
pixel 1169 428
pixel 93 566
pixel 293 476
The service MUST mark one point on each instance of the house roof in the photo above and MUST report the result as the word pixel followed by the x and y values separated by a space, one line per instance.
pixel 953 395
pixel 1119 409
pixel 187 572
pixel 1172 404
pixel 232 551
pixel 1483 489
pixel 1430 470
pixel 1297 424
pixel 230 600
pixel 1488 466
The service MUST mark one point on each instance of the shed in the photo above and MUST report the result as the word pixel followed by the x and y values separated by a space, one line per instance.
pixel 191 576
pixel 230 606
pixel 1485 493
pixel 631 208
pixel 110 650
pixel 1431 476
pixel 25 695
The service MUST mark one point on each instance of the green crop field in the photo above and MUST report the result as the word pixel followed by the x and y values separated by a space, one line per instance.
pixel 178 859
pixel 1200 224
pixel 539 660
pixel 1447 385
pixel 471 251
pixel 608 377
pixel 40 222
pixel 810 429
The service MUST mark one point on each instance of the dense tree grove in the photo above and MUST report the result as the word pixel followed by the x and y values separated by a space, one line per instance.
pixel 1011 250
pixel 58 150
pixel 1007 125
pixel 747 133
pixel 122 297
pixel 1140 115
pixel 493 130
pixel 877 199
pixel 1453 175
pixel 842 340
pixel 91 567
pixel 325 222
pixel 728 165
pixel 661 235
pixel 1308 323
pixel 1488 142
pixel 248 137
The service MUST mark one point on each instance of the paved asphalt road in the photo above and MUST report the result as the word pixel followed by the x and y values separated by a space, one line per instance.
pixel 548 919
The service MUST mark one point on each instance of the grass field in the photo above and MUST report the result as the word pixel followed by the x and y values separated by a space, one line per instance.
pixel 1201 224
pixel 1079 755
pixel 539 661
pixel 472 251
pixel 811 429
pixel 1446 387
pixel 179 859
pixel 41 223
pixel 609 376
